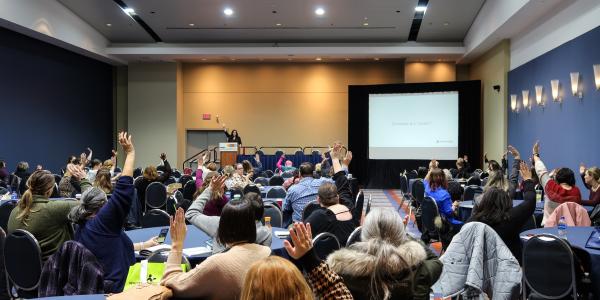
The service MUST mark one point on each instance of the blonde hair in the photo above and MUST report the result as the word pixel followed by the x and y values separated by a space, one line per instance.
pixel 594 172
pixel 497 180
pixel 107 163
pixel 228 170
pixel 275 278
pixel 150 173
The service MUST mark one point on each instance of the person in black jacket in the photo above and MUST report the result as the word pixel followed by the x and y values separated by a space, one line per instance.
pixel 233 137
pixel 464 167
pixel 150 175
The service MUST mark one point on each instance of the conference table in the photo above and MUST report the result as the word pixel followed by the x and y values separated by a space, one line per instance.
pixel 195 238
pixel 466 207
pixel 577 237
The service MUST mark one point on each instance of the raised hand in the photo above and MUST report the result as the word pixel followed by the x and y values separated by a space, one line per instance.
pixel 39 167
pixel 178 230
pixel 125 142
pixel 514 152
pixel 348 158
pixel 76 171
pixel 336 152
pixel 582 168
pixel 218 182
pixel 256 156
pixel 536 148
pixel 524 171
pixel 465 157
pixel 163 156
pixel 114 153
pixel 302 237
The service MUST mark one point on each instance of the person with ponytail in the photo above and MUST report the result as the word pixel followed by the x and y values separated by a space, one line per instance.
pixel 46 220
pixel 101 223
pixel 386 263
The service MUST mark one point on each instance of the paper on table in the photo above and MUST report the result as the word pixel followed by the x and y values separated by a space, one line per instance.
pixel 282 233
pixel 150 250
pixel 196 251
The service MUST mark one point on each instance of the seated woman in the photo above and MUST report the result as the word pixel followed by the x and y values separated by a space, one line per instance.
pixel 101 223
pixel 287 167
pixel 103 181
pixel 386 263
pixel 46 220
pixel 217 198
pixel 235 177
pixel 463 167
pixel 557 190
pixel 335 218
pixel 150 175
pixel 210 224
pixel 497 180
pixel 325 284
pixel 496 210
pixel 591 179
pixel 436 187
pixel 221 275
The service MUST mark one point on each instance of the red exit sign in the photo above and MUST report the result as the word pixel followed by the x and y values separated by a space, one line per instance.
pixel 205 116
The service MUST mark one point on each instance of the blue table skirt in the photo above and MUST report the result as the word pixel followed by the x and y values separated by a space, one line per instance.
pixel 195 238
pixel 577 237
pixel 269 162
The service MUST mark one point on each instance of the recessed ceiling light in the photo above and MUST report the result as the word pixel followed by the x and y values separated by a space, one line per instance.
pixel 129 10
pixel 233 59
pixel 318 58
pixel 289 59
pixel 319 11
pixel 421 9
pixel 204 59
pixel 108 24
pixel 192 24
pixel 446 23
pixel 278 24
pixel 365 24
pixel 376 58
pixel 347 59
pixel 228 11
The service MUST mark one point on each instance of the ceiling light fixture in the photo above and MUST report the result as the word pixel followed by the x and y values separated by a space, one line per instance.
pixel 365 24
pixel 278 24
pixel 228 11
pixel 318 58
pixel 376 58
pixel 128 10
pixel 108 24
pixel 319 11
pixel 192 24
pixel 421 9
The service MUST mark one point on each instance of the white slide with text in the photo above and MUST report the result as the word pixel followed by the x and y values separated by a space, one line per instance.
pixel 413 126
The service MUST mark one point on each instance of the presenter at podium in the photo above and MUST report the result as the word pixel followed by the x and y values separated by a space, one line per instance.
pixel 232 137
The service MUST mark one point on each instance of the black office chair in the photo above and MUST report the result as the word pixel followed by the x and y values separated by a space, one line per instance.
pixel 262 181
pixel 453 172
pixel 273 211
pixel 5 210
pixel 548 268
pixel 286 175
pixel 155 218
pixel 269 173
pixel 278 153
pixel 471 191
pixel 276 180
pixel 324 244
pixel 474 180
pixel 23 260
pixel 310 208
pixel 170 180
pixel 185 179
pixel 403 184
pixel 276 192
pixel 176 174
pixel 189 189
pixel 156 196
pixel 316 153
pixel 358 208
pixel 432 223
pixel 299 153
pixel 137 172
pixel 354 236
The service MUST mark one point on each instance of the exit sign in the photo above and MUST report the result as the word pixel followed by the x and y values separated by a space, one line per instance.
pixel 205 116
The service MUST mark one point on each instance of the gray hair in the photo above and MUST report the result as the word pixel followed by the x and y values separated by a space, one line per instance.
pixel 91 201
pixel 497 180
pixel 384 224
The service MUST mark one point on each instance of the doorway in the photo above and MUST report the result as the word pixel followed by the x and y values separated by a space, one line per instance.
pixel 197 140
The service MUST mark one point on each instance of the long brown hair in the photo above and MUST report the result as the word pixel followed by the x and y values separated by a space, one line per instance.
pixel 437 179
pixel 103 181
pixel 39 183
pixel 215 194
pixel 275 278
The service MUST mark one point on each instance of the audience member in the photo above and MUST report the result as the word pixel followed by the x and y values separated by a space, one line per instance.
pixel 151 175
pixel 256 164
pixel 292 180
pixel 46 220
pixel 22 173
pixel 101 223
pixel 496 210
pixel 493 165
pixel 233 137
pixel 559 186
pixel 217 198
pixel 436 187
pixel 496 180
pixel 290 284
pixel 91 174
pixel 103 181
pixel 464 167
pixel 288 167
pixel 386 263
pixel 302 193
pixel 235 177
pixel 210 224
pixel 591 179
pixel 221 275
pixel 70 184
pixel 422 172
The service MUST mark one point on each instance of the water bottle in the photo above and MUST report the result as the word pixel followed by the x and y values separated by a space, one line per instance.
pixel 562 228
pixel 14 196
pixel 268 222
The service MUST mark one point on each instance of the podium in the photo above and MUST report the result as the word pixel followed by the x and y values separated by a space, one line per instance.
pixel 229 153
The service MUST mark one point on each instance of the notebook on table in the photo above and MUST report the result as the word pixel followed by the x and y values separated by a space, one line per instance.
pixel 594 240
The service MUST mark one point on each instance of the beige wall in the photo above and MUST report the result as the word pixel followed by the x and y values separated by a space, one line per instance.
pixel 429 72
pixel 278 104
pixel 492 69
pixel 152 111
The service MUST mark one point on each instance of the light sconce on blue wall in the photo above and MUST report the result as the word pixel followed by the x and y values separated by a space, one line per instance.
pixel 539 96
pixel 575 87
pixel 514 104
pixel 555 85
pixel 526 102
pixel 597 76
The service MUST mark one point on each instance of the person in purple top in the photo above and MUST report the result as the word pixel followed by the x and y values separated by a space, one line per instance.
pixel 101 223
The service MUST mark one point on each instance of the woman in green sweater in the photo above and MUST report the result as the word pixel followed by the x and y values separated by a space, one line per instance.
pixel 45 219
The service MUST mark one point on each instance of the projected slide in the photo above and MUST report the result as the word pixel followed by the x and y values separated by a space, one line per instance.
pixel 413 126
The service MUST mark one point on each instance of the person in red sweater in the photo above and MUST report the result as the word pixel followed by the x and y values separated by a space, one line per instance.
pixel 559 186
pixel 591 179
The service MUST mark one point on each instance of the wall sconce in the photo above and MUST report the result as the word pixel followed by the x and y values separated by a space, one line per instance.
pixel 514 105
pixel 526 102
pixel 539 95
pixel 555 84
pixel 597 76
pixel 575 85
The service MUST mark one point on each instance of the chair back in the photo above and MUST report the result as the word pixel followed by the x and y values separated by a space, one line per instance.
pixel 137 172
pixel 156 196
pixel 299 153
pixel 276 180
pixel 403 184
pixel 454 172
pixel 474 180
pixel 455 190
pixel 368 209
pixel 57 178
pixel 309 209
pixel 429 213
pixel 324 244
pixel 412 174
pixel 176 174
pixel 273 211
pixel 287 174
pixel 549 267
pixel 262 181
pixel 418 191
pixel 170 180
pixel 471 191
pixel 189 189
pixel 178 196
pixel 354 236
pixel 23 260
pixel 316 153
pixel 358 207
pixel 5 210
pixel 185 179
pixel 155 218
pixel 276 192
pixel 278 154
pixel 269 173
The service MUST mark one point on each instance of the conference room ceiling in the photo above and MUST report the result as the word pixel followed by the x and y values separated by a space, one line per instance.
pixel 278 21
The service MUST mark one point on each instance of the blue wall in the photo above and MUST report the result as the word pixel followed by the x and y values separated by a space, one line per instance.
pixel 53 103
pixel 568 133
